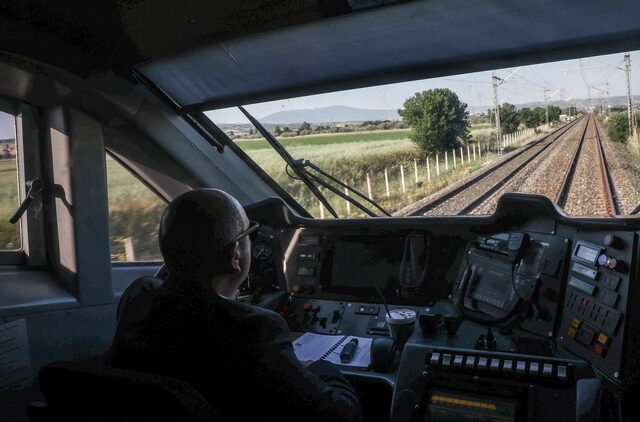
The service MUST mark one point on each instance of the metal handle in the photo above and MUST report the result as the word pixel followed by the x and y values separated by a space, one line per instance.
pixel 35 187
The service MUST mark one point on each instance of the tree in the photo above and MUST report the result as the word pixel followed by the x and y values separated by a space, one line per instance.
pixel 618 128
pixel 439 120
pixel 542 115
pixel 277 131
pixel 509 118
pixel 529 118
pixel 554 113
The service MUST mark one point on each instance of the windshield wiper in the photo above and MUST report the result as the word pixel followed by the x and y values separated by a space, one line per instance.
pixel 318 176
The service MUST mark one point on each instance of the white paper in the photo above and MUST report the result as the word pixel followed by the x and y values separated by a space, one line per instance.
pixel 15 363
pixel 312 346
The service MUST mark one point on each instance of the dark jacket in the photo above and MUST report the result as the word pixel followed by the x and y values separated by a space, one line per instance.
pixel 238 356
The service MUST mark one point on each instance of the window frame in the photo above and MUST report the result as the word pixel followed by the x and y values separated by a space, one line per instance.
pixel 137 264
pixel 32 252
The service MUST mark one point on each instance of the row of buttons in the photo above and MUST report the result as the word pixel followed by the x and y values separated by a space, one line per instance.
pixel 497 365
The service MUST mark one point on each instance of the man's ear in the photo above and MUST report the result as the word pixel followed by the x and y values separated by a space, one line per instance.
pixel 234 258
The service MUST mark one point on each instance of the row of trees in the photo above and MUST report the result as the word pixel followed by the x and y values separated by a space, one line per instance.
pixel 440 121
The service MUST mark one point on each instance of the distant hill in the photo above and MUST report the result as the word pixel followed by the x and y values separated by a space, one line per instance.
pixel 329 114
pixel 580 103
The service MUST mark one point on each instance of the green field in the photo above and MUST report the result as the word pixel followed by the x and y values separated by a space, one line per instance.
pixel 134 211
pixel 325 139
pixel 9 233
pixel 350 157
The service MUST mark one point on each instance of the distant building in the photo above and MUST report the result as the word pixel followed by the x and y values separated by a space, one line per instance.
pixel 7 149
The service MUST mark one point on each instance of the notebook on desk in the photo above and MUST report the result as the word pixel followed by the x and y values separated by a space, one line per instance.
pixel 312 346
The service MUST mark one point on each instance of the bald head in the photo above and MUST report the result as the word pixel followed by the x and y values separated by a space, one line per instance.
pixel 196 231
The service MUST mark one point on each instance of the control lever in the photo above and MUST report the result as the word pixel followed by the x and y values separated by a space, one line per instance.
pixel 34 187
pixel 486 342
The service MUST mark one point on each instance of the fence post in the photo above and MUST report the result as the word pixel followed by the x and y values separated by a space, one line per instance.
pixel 474 152
pixel 468 155
pixel 446 161
pixel 461 157
pixel 386 181
pixel 346 192
pixel 437 166
pixel 369 187
pixel 428 171
pixel 404 189
pixel 129 253
pixel 453 153
pixel 415 166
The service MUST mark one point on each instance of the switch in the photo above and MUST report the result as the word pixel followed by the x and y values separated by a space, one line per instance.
pixel 586 335
pixel 495 364
pixel 521 367
pixel 336 317
pixel 604 339
pixel 607 297
pixel 507 366
pixel 482 363
pixel 611 241
pixel 435 358
pixel 600 349
pixel 611 282
pixel 547 369
pixel 446 360
pixel 534 368
pixel 562 372
pixel 571 333
pixel 457 361
pixel 471 362
pixel 575 323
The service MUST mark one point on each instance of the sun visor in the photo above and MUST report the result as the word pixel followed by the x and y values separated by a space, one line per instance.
pixel 394 43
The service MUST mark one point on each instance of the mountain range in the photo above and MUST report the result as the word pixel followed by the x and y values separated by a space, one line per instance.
pixel 329 114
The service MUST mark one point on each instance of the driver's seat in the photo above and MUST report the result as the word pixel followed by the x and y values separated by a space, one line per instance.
pixel 82 391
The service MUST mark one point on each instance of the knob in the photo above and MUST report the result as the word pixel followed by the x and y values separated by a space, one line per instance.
pixel 606 261
pixel 611 241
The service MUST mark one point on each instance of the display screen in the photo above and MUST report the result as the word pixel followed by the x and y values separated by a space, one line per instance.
pixel 359 261
pixel 586 253
pixel 450 406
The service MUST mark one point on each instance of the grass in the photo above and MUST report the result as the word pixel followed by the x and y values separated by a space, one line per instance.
pixel 9 233
pixel 134 211
pixel 325 139
pixel 351 157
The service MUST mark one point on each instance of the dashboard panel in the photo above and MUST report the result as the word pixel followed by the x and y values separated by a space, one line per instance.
pixel 515 310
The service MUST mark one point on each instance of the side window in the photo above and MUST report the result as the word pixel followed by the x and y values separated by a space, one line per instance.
pixel 134 216
pixel 9 201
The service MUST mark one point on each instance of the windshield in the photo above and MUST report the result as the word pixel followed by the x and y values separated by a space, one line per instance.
pixel 454 145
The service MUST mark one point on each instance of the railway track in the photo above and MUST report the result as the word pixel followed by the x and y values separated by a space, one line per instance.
pixel 565 171
pixel 582 191
pixel 475 191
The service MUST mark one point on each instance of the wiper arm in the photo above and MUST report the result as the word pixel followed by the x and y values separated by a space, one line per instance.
pixel 300 168
pixel 306 164
pixel 291 162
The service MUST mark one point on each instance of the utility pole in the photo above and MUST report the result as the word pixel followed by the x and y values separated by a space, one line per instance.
pixel 631 115
pixel 546 105
pixel 496 106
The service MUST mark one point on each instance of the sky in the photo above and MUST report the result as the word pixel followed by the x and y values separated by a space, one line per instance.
pixel 7 126
pixel 564 79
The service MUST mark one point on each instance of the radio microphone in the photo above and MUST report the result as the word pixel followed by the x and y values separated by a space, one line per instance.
pixel 349 351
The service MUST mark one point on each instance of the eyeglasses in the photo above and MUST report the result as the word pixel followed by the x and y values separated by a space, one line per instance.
pixel 252 232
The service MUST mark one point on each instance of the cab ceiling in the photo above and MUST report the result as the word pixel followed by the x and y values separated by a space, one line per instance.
pixel 204 53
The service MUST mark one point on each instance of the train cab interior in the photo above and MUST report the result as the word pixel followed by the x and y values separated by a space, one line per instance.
pixel 111 109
